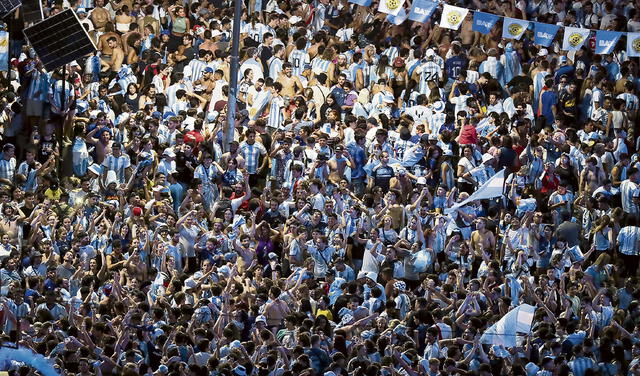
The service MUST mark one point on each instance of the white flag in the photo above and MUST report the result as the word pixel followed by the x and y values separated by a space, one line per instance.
pixel 503 332
pixel 392 7
pixel 452 17
pixel 574 38
pixel 490 189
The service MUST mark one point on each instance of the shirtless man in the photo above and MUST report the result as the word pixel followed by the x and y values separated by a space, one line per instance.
pixel 102 143
pixel 468 36
pixel 336 68
pixel 276 310
pixel 291 86
pixel 99 15
pixel 340 161
pixel 482 239
pixel 591 177
pixel 117 55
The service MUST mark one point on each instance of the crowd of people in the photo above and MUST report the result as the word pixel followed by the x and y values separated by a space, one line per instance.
pixel 333 235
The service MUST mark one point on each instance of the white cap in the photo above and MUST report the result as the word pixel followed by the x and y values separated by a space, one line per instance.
pixel 430 52
pixel 486 157
pixel 543 52
pixel 215 33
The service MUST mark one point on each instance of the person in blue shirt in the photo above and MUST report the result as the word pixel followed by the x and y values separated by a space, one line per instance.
pixel 549 103
pixel 564 69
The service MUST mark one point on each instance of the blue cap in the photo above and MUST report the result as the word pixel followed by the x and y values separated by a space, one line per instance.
pixel 156 115
pixel 167 115
pixel 165 32
pixel 208 70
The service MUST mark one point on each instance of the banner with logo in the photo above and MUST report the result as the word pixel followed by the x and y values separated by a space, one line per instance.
pixel 633 44
pixel 4 51
pixel 484 22
pixel 452 17
pixel 364 3
pixel 514 28
pixel 399 19
pixel 392 7
pixel 606 41
pixel 544 33
pixel 422 10
pixel 574 38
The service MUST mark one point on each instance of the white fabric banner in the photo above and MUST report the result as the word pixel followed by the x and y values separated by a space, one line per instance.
pixel 491 189
pixel 574 38
pixel 452 17
pixel 392 7
pixel 503 332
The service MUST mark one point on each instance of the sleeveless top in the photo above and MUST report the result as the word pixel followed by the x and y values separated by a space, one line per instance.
pixel 180 25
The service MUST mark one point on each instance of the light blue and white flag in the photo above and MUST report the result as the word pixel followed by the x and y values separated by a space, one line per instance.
pixel 514 28
pixel 399 18
pixel 491 189
pixel 574 38
pixel 4 51
pixel 504 332
pixel 422 10
pixel 544 33
pixel 364 3
pixel 484 22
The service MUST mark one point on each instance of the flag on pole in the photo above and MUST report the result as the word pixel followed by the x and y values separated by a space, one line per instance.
pixel 452 17
pixel 544 34
pixel 484 22
pixel 503 332
pixel 574 38
pixel 513 28
pixel 422 10
pixel 392 7
pixel 4 51
pixel 364 3
pixel 490 189
pixel 633 44
pixel 606 41
pixel 399 19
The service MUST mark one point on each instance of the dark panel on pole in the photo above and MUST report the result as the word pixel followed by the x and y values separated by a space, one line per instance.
pixel 32 11
pixel 7 6
pixel 59 40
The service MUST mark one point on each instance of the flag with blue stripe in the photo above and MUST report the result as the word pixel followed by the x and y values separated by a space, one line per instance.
pixel 399 18
pixel 422 10
pixel 484 22
pixel 606 41
pixel 4 51
pixel 545 33
pixel 364 3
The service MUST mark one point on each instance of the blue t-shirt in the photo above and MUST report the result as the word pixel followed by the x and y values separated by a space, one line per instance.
pixel 549 99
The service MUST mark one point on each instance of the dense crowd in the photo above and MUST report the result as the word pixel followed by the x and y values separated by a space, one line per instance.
pixel 332 236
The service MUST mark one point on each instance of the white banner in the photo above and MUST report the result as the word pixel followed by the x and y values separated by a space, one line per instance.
pixel 392 7
pixel 490 189
pixel 452 17
pixel 574 38
pixel 503 332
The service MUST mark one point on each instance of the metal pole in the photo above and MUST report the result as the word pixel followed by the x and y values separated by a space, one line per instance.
pixel 233 84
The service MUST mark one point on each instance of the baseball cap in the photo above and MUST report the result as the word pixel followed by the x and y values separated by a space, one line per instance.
pixel 430 53
pixel 208 70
